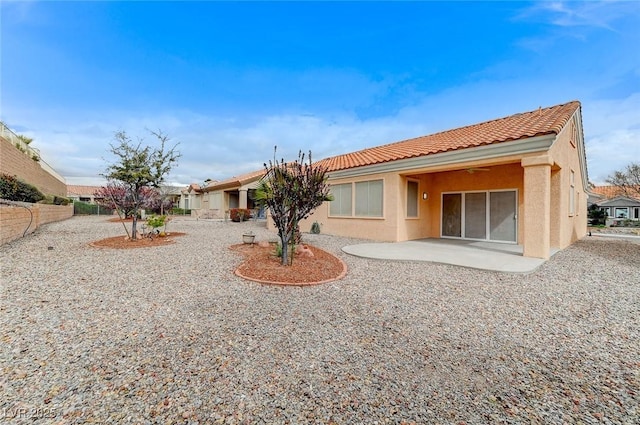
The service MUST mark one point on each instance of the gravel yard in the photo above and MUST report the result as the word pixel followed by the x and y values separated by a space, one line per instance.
pixel 171 335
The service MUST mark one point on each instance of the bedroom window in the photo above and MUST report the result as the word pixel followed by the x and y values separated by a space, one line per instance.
pixel 412 198
pixel 369 199
pixel 341 204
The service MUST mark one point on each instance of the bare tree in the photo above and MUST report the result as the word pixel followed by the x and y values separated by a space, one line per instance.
pixel 627 181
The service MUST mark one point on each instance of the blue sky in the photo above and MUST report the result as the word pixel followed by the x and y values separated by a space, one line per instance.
pixel 229 81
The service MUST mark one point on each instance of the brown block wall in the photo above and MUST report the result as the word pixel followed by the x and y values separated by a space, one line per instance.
pixel 15 219
pixel 17 163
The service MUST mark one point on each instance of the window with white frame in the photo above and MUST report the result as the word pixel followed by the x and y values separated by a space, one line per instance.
pixel 369 199
pixel 412 198
pixel 572 194
pixel 621 212
pixel 636 213
pixel 341 204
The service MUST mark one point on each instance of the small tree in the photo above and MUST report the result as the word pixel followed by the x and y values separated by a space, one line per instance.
pixel 116 197
pixel 291 191
pixel 627 181
pixel 138 169
pixel 596 215
pixel 165 203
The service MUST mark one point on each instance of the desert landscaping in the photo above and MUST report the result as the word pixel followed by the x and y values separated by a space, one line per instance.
pixel 171 334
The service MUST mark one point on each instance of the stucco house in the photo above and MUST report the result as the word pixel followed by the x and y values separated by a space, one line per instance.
pixel 621 207
pixel 191 197
pixel 215 199
pixel 615 203
pixel 521 180
pixel 82 193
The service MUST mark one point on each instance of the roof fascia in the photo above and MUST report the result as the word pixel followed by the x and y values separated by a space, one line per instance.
pixel 582 155
pixel 224 185
pixel 496 150
pixel 620 201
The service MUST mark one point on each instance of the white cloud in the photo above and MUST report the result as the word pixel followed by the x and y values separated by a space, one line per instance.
pixel 571 14
pixel 612 133
pixel 219 147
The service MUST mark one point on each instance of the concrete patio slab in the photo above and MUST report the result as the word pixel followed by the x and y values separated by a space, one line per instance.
pixel 474 254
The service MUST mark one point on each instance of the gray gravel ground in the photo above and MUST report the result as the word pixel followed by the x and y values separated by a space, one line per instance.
pixel 171 335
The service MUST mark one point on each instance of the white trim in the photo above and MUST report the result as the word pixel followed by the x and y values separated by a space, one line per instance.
pixel 615 212
pixel 496 150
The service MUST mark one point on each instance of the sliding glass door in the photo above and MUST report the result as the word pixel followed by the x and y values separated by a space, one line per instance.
pixel 502 216
pixel 486 215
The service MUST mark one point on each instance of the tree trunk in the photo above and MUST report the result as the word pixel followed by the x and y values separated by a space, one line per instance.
pixel 284 242
pixel 134 223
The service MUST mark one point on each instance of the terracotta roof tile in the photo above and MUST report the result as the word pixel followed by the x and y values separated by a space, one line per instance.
pixel 235 180
pixel 608 192
pixel 79 190
pixel 519 126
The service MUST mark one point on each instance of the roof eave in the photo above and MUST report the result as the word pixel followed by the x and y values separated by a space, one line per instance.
pixel 492 151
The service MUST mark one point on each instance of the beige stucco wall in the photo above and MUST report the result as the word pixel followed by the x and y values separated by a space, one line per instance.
pixel 381 229
pixel 500 177
pixel 427 225
pixel 541 179
pixel 567 228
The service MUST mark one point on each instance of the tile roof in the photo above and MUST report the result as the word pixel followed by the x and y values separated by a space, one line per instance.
pixel 542 121
pixel 235 181
pixel 193 187
pixel 608 192
pixel 620 201
pixel 78 190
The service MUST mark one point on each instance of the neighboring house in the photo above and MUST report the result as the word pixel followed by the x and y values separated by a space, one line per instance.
pixel 613 201
pixel 191 197
pixel 521 179
pixel 218 197
pixel 605 192
pixel 621 207
pixel 82 193
pixel 173 193
pixel 87 193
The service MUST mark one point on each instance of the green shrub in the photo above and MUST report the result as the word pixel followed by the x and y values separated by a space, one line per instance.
pixel 59 200
pixel 596 216
pixel 315 228
pixel 16 190
pixel 239 214
pixel 156 221
pixel 180 211
pixel 84 208
pixel 278 250
pixel 48 200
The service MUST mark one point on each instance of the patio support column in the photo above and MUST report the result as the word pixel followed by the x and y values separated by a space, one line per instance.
pixel 242 195
pixel 537 206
